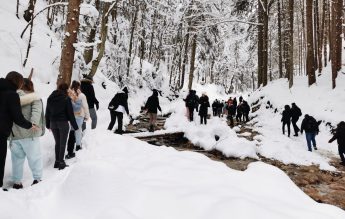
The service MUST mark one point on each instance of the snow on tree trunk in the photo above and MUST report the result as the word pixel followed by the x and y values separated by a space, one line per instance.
pixel 68 50
pixel 192 62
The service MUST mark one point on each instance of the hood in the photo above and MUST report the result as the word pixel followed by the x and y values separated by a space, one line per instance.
pixel 5 85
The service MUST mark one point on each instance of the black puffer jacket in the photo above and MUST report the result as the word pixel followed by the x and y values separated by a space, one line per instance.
pixel 339 135
pixel 204 105
pixel 309 124
pixel 295 112
pixel 87 89
pixel 10 109
pixel 59 108
pixel 120 98
pixel 152 103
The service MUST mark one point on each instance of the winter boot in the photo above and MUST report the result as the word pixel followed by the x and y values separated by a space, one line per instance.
pixel 56 164
pixel 77 148
pixel 17 186
pixel 69 156
pixel 62 166
pixel 315 148
pixel 35 182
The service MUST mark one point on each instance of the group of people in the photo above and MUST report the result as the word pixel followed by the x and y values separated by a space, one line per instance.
pixel 23 121
pixel 228 108
pixel 119 105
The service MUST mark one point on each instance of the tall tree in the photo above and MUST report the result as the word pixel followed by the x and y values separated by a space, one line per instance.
pixel 290 31
pixel 310 43
pixel 280 58
pixel 337 6
pixel 68 50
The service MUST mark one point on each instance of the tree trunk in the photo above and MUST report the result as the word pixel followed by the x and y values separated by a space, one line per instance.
pixel 68 50
pixel 185 58
pixel 337 41
pixel 265 43
pixel 260 43
pixel 104 33
pixel 290 40
pixel 88 53
pixel 316 29
pixel 310 43
pixel 326 30
pixel 280 41
pixel 134 21
pixel 192 62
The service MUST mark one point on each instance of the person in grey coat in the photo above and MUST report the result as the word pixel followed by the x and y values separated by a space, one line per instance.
pixel 24 142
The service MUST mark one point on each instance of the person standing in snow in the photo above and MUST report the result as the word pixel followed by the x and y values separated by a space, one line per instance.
pixel 191 104
pixel 231 111
pixel 151 106
pixel 87 89
pixel 295 114
pixel 214 107
pixel 311 128
pixel 10 112
pixel 25 143
pixel 241 99
pixel 339 135
pixel 286 119
pixel 245 110
pixel 81 114
pixel 117 107
pixel 203 111
pixel 59 116
pixel 239 113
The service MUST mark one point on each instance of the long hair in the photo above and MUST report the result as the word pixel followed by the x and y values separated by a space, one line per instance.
pixel 28 86
pixel 63 88
pixel 75 86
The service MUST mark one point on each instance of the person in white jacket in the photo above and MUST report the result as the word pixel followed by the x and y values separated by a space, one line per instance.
pixel 81 113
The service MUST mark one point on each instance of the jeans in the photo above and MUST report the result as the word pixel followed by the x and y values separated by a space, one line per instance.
pixel 60 130
pixel 310 136
pixel 78 133
pixel 93 116
pixel 3 153
pixel 30 148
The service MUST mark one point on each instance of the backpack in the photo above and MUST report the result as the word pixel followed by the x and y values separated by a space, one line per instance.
pixel 299 112
pixel 77 105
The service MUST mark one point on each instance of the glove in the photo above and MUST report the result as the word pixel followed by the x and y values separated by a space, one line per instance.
pixel 97 105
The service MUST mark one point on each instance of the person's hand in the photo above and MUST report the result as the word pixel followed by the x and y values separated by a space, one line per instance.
pixel 86 119
pixel 329 141
pixel 35 128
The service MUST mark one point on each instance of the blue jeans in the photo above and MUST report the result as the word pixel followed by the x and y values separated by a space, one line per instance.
pixel 30 148
pixel 78 133
pixel 310 136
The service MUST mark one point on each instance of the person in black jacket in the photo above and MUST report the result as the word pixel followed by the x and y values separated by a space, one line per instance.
pixel 239 112
pixel 204 105
pixel 286 119
pixel 339 135
pixel 117 107
pixel 152 104
pixel 59 113
pixel 311 128
pixel 245 110
pixel 215 107
pixel 191 103
pixel 10 112
pixel 87 89
pixel 295 114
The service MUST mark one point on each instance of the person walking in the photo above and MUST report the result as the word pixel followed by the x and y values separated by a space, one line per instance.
pixel 286 119
pixel 245 110
pixel 10 112
pixel 191 104
pixel 24 142
pixel 117 107
pixel 151 106
pixel 88 90
pixel 311 128
pixel 231 111
pixel 81 114
pixel 215 107
pixel 295 114
pixel 203 111
pixel 339 135
pixel 239 113
pixel 59 116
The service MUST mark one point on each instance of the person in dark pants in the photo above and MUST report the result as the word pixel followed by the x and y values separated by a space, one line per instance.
pixel 215 107
pixel 59 113
pixel 152 106
pixel 239 113
pixel 295 114
pixel 117 107
pixel 10 112
pixel 339 135
pixel 191 104
pixel 88 90
pixel 311 128
pixel 204 105
pixel 245 110
pixel 286 119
